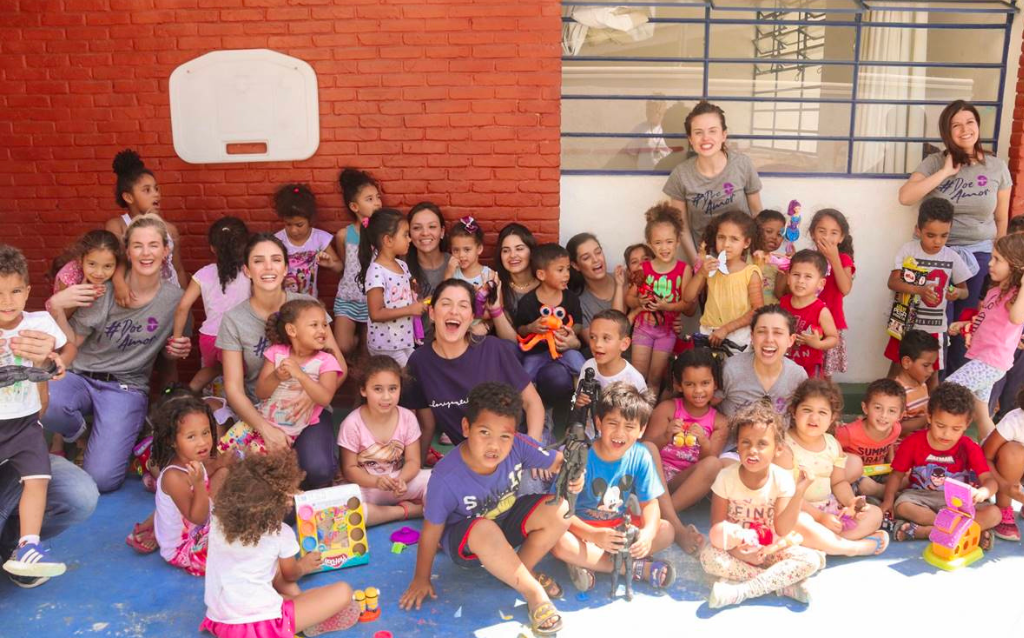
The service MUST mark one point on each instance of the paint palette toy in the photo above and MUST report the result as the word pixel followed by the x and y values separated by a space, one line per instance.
pixel 332 521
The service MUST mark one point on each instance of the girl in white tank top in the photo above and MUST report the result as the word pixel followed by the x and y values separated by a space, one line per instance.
pixel 182 448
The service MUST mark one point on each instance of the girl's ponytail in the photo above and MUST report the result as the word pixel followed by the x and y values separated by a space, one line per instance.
pixel 227 237
pixel 383 223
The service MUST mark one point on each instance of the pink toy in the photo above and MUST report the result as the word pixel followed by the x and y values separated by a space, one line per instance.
pixel 792 231
pixel 955 537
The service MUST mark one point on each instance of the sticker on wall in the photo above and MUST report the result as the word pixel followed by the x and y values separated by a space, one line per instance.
pixel 252 105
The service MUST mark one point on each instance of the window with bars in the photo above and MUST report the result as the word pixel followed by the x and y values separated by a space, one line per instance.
pixel 809 87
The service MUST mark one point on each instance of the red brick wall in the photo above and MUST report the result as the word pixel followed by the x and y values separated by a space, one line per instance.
pixel 452 101
pixel 1016 154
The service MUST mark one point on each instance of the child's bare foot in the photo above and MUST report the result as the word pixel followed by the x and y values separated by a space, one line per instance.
pixel 689 540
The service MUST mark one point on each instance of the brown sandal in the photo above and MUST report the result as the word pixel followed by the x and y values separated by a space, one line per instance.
pixel 550 585
pixel 541 617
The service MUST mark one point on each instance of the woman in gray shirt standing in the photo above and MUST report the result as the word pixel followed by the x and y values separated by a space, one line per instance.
pixel 978 185
pixel 714 181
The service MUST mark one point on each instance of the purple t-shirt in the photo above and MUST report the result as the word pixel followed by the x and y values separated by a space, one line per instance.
pixel 443 385
pixel 456 492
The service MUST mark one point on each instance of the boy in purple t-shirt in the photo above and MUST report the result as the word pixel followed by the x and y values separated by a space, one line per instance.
pixel 472 509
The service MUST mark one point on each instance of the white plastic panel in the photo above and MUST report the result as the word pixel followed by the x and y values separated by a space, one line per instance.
pixel 252 105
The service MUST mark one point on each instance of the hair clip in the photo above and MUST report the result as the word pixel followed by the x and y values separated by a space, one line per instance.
pixel 365 221
pixel 295 190
pixel 469 223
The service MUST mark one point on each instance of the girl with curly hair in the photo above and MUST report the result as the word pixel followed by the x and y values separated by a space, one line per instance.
pixel 251 569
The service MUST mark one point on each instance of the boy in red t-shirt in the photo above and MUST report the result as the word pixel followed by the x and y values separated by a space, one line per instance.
pixel 931 456
pixel 871 440
pixel 816 330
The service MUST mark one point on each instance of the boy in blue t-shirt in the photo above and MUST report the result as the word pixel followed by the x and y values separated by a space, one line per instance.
pixel 616 468
pixel 473 512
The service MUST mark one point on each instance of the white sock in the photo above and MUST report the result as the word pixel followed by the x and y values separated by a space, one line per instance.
pixel 29 539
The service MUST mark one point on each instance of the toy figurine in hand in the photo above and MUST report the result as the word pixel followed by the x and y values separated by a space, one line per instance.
pixel 9 375
pixel 647 296
pixel 792 232
pixel 590 388
pixel 623 560
pixel 574 461
pixel 553 320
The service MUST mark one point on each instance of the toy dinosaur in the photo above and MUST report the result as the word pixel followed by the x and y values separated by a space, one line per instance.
pixel 553 320
pixel 574 461
pixel 623 560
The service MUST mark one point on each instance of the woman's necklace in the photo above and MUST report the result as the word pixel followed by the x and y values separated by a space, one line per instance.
pixel 522 287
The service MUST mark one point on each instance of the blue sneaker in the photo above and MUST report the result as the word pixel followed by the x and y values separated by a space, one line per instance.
pixel 33 560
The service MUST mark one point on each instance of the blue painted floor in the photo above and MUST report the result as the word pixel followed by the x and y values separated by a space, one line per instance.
pixel 109 590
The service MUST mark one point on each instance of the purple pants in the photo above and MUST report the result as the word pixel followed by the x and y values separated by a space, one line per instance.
pixel 118 413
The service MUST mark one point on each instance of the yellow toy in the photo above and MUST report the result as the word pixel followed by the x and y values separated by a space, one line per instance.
pixel 903 315
pixel 877 470
pixel 956 536
pixel 332 521
pixel 369 607
pixel 684 440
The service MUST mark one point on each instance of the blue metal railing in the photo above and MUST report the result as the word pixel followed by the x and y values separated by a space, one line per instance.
pixel 853 15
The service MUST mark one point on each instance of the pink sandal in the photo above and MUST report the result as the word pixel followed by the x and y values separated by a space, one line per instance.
pixel 142 540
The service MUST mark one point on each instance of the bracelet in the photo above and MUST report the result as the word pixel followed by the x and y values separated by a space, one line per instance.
pixel 496 312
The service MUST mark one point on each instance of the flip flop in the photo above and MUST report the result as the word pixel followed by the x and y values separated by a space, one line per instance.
pixel 540 620
pixel 881 540
pixel 142 540
pixel 582 578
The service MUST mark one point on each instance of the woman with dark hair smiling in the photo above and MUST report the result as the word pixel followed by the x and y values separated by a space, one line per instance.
pixel 445 370
pixel 242 338
pixel 978 185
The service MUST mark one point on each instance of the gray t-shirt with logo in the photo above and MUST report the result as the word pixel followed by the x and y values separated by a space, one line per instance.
pixel 242 330
pixel 125 341
pixel 741 387
pixel 972 191
pixel 706 197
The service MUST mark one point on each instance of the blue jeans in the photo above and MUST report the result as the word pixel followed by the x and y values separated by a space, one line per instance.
pixel 70 499
pixel 117 413
pixel 553 377
pixel 957 355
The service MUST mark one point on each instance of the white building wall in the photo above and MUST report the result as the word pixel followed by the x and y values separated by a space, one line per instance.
pixel 612 208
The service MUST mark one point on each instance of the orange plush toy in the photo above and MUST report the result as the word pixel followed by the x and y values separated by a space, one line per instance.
pixel 553 320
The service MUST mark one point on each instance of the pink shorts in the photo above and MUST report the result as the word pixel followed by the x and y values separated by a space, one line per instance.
pixel 209 353
pixel 283 627
pixel 658 338
pixel 415 490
